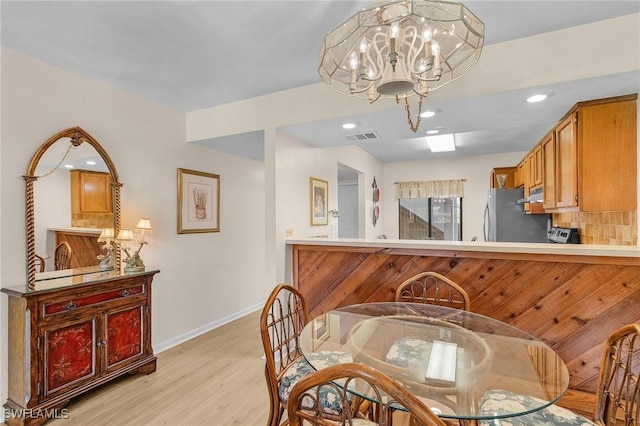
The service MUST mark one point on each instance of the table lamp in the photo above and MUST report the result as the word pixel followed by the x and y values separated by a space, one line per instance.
pixel 132 263
pixel 106 259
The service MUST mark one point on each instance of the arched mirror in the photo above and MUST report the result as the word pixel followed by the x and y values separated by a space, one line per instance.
pixel 67 164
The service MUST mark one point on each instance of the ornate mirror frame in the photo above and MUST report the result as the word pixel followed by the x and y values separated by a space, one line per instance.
pixel 77 136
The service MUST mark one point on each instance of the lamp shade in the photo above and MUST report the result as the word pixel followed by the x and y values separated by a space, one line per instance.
pixel 125 234
pixel 144 223
pixel 106 235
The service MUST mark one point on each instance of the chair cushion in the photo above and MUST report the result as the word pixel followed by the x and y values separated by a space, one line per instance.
pixel 503 402
pixel 408 348
pixel 301 368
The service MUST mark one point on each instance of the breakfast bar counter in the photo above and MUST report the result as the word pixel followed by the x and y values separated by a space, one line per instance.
pixel 570 296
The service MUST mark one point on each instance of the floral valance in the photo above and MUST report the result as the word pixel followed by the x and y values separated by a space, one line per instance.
pixel 430 188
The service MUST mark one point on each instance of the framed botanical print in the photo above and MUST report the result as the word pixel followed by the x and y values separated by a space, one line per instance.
pixel 198 202
pixel 319 198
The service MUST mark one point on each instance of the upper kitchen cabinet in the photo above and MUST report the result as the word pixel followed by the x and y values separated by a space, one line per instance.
pixel 90 192
pixel 589 159
pixel 508 177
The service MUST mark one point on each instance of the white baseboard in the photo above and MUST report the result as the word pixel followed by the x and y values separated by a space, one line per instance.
pixel 205 328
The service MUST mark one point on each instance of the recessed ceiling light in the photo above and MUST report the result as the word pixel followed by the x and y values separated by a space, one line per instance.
pixel 91 163
pixel 430 112
pixel 433 132
pixel 349 125
pixel 68 166
pixel 441 143
pixel 536 98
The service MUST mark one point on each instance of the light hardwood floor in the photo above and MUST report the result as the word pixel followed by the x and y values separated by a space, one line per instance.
pixel 214 379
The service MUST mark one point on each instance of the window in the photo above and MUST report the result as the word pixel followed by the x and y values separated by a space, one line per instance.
pixel 432 218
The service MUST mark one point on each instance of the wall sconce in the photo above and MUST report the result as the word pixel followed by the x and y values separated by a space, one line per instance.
pixel 106 259
pixel 133 262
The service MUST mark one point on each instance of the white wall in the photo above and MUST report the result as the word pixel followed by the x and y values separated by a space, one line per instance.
pixel 296 162
pixel 204 279
pixel 475 169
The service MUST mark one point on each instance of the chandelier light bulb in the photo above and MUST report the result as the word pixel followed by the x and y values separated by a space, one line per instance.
pixel 363 46
pixel 353 63
pixel 427 35
pixel 394 30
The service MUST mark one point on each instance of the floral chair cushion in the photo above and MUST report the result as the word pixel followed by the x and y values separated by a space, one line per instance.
pixel 505 402
pixel 405 349
pixel 301 368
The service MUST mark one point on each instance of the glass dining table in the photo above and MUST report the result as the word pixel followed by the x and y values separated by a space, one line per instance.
pixel 447 357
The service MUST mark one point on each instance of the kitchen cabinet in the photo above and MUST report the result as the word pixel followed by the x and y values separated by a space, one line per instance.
pixel 536 165
pixel 519 175
pixel 590 161
pixel 91 192
pixel 548 145
pixel 73 334
pixel 508 171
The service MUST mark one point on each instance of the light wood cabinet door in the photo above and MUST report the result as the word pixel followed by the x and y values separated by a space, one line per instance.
pixel 91 192
pixel 549 171
pixel 537 165
pixel 566 180
pixel 607 143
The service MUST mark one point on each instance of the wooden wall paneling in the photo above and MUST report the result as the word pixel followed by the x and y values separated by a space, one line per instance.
pixel 528 297
pixel 571 302
pixel 595 303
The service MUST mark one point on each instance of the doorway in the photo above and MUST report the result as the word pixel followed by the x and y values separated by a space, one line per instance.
pixel 348 201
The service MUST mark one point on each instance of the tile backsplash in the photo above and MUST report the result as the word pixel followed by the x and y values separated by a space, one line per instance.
pixel 608 228
pixel 92 220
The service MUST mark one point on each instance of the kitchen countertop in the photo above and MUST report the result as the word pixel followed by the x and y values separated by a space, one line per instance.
pixel 476 246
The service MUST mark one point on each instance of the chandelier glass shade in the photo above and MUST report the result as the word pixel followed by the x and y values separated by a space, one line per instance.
pixel 395 49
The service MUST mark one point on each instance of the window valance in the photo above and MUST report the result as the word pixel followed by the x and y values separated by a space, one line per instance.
pixel 430 188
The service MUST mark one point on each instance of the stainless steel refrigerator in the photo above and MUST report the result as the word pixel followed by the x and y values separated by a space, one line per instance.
pixel 506 221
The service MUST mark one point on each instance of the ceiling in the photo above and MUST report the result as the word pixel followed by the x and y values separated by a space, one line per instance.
pixel 191 55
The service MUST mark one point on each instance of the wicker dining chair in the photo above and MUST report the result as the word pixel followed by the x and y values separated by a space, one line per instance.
pixel 435 289
pixel 283 317
pixel 40 263
pixel 617 392
pixel 347 383
pixel 62 256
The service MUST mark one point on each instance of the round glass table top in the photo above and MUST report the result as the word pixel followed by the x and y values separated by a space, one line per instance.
pixel 449 358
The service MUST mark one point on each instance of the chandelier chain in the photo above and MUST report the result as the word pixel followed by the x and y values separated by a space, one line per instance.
pixel 413 127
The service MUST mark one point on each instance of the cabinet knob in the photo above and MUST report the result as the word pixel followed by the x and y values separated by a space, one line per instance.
pixel 71 306
pixel 124 293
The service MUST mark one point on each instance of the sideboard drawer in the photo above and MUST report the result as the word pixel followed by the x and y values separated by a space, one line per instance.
pixel 71 304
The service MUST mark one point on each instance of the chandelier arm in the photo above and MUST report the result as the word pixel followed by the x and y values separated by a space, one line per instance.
pixel 426 79
pixel 412 49
pixel 364 89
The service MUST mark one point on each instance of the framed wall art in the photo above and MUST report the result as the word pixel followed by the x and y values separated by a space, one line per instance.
pixel 319 201
pixel 198 202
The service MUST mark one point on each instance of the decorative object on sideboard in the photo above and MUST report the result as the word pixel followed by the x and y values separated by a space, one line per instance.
pixel 106 259
pixel 132 262
pixel 334 213
pixel 397 49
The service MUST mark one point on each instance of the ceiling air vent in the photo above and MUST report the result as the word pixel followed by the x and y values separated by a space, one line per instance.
pixel 362 137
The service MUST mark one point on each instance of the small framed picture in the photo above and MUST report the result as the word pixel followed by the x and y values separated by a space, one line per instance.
pixel 319 201
pixel 320 330
pixel 198 202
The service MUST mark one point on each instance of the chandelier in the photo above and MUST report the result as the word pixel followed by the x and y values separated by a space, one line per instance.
pixel 396 49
